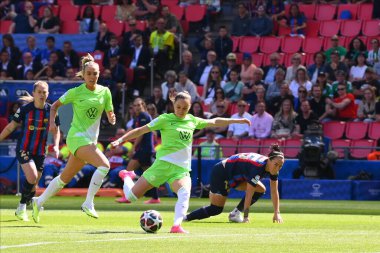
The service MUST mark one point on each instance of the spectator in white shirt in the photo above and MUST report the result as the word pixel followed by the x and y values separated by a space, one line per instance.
pixel 238 131
pixel 301 79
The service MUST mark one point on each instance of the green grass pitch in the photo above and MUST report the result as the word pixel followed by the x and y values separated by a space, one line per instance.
pixel 310 226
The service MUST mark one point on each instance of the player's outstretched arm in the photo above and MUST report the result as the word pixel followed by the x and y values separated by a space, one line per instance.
pixel 53 128
pixel 131 135
pixel 111 117
pixel 8 130
pixel 222 122
pixel 276 201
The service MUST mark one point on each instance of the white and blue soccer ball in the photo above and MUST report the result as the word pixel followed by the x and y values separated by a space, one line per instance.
pixel 151 221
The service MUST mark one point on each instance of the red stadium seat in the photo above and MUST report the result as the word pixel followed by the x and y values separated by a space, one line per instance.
pixel 356 130
pixel 341 146
pixel 350 28
pixel 291 44
pixel 108 13
pixel 312 28
pixel 249 145
pixel 64 2
pixel 130 75
pixel 267 59
pixel 361 153
pixel 195 13
pixel 292 147
pixel 249 44
pixel 229 146
pixel 177 11
pixel 374 130
pixel 185 26
pixel 169 3
pixel 329 28
pixel 309 59
pixel 334 129
pixel 308 10
pixel 352 8
pixel 239 58
pixel 312 44
pixel 200 90
pixel 55 9
pixel 235 41
pixel 4 26
pixel 325 12
pixel 70 27
pixel 69 13
pixel 115 27
pixel 365 11
pixel 3 123
pixel 270 45
pixel 371 28
pixel 96 8
pixel 327 42
pixel 258 59
pixel 265 144
pixel 141 25
pixel 288 59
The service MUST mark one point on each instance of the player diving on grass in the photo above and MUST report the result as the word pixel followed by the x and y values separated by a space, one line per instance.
pixel 243 172
pixel 173 160
pixel 33 117
pixel 89 100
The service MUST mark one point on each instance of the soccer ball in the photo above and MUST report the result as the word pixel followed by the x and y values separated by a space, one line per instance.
pixel 151 221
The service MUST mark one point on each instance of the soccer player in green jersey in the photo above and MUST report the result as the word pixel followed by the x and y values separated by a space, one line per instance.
pixel 173 160
pixel 89 100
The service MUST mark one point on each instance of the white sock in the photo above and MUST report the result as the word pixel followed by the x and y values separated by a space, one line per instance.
pixel 21 206
pixel 127 188
pixel 55 186
pixel 181 206
pixel 96 183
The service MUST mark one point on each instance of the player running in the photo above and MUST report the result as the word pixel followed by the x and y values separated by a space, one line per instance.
pixel 89 100
pixel 173 160
pixel 34 120
pixel 243 172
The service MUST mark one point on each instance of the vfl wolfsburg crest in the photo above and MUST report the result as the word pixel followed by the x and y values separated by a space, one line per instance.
pixel 92 112
pixel 184 134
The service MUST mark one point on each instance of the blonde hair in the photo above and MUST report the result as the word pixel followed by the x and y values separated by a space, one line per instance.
pixel 29 98
pixel 86 61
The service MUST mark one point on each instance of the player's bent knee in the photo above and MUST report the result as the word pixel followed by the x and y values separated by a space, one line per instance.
pixel 214 210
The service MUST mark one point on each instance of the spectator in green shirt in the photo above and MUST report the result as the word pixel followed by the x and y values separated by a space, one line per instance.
pixel 335 47
pixel 210 148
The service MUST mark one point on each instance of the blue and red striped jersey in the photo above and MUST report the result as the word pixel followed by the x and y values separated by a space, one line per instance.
pixel 35 128
pixel 246 167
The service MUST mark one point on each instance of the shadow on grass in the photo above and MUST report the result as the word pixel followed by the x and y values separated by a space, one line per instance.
pixel 215 222
pixel 3 221
pixel 114 232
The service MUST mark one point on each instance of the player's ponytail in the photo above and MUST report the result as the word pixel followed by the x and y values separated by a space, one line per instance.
pixel 27 98
pixel 275 151
pixel 86 61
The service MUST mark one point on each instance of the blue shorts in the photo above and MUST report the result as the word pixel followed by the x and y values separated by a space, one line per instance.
pixel 25 157
pixel 218 180
pixel 146 159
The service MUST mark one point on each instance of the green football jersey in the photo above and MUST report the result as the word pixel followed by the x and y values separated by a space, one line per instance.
pixel 177 137
pixel 88 107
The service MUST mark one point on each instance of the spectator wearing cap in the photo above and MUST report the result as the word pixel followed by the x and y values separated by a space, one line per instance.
pixel 341 78
pixel 343 106
pixel 368 81
pixel 342 51
pixel 326 87
pixel 25 21
pixel 335 65
pixel 241 23
pixel 247 68
pixel 275 87
pixel 223 44
pixel 188 66
pixel 317 102
pixel 291 70
pixel 270 70
pixel 233 88
pixel 185 84
pixel 374 53
pixel 318 66
pixel 357 72
pixel 302 96
pixel 261 123
pixel 239 131
pixel 261 25
pixel 210 149
pixel 355 48
pixel 231 64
